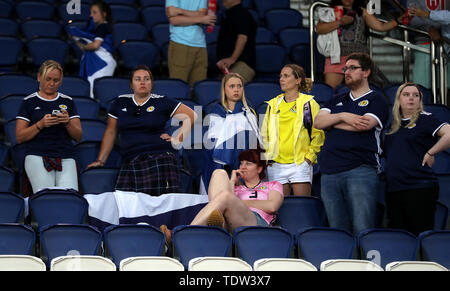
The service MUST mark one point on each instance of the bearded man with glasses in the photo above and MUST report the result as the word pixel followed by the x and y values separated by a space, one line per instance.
pixel 349 159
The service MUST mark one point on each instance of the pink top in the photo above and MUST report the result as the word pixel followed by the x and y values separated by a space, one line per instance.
pixel 260 192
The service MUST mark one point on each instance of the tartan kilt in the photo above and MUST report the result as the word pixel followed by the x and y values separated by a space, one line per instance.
pixel 154 174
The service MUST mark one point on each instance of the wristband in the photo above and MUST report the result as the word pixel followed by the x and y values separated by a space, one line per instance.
pixel 102 163
pixel 430 154
pixel 38 127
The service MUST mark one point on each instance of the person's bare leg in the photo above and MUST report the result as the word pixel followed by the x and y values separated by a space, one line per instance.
pixel 301 189
pixel 287 189
pixel 334 79
pixel 219 182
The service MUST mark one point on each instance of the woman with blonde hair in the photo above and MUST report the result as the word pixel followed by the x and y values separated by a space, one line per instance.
pixel 411 143
pixel 47 123
pixel 233 128
pixel 294 149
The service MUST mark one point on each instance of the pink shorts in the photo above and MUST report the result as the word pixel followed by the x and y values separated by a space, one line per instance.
pixel 334 68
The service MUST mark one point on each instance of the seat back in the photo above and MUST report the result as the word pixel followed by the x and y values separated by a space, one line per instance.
pixel 87 152
pixel 135 52
pixel 322 92
pixel 93 130
pixel 152 15
pixel 207 91
pixel 259 92
pixel 74 86
pixel 21 263
pixel 10 106
pixel 262 6
pixel 16 239
pixel 278 19
pixel 11 207
pixel 11 50
pixel 34 10
pixel 433 246
pixel 108 88
pixel 349 265
pixel 120 13
pixel 440 216
pixel 16 84
pixel 172 88
pixel 7 177
pixel 125 31
pixel 67 17
pixel 415 266
pixel 41 28
pixel 98 180
pixel 43 48
pixel 8 27
pixel 87 107
pixel 150 263
pixel 224 264
pixel 278 264
pixel 81 263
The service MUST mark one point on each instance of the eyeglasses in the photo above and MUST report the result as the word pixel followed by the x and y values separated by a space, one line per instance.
pixel 137 111
pixel 350 69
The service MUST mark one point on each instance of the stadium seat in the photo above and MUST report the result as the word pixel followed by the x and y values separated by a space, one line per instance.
pixel 322 92
pixel 298 212
pixel 18 156
pixel 440 216
pixel 317 244
pixel 43 48
pixel 41 28
pixel 93 130
pixel 207 91
pixel 391 90
pixel 124 241
pixel 262 6
pixel 126 31
pixel 172 88
pixel 134 53
pixel 10 132
pixel 433 246
pixel 213 70
pixel 124 13
pixel 87 107
pixel 145 3
pixel 439 111
pixel 150 263
pixel 383 246
pixel 11 50
pixel 152 15
pixel 109 88
pixel 160 34
pixel 17 84
pixel 277 243
pixel 278 19
pixel 414 266
pixel 120 2
pixel 8 26
pixel 223 264
pixel 4 153
pixel 34 10
pixel 98 180
pixel 5 8
pixel 444 189
pixel 259 92
pixel 264 35
pixel 299 55
pixel 261 109
pixel 7 177
pixel 349 265
pixel 277 264
pixel 21 263
pixel 11 207
pixel 442 163
pixel 52 206
pixel 69 240
pixel 81 263
pixel 192 241
pixel 70 18
pixel 270 59
pixel 17 239
pixel 87 152
pixel 74 86
pixel 291 37
pixel 10 106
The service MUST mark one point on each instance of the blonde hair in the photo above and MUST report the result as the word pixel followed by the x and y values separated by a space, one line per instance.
pixel 397 110
pixel 298 72
pixel 223 97
pixel 48 66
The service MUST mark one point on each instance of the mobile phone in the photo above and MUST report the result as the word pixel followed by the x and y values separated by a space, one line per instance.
pixel 56 112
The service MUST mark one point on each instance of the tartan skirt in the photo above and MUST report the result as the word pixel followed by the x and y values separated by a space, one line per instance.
pixel 154 174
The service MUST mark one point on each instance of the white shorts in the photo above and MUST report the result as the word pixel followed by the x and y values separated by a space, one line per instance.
pixel 290 173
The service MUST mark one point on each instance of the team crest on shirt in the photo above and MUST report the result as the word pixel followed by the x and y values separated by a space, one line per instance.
pixel 150 109
pixel 62 106
pixel 294 108
pixel 262 188
pixel 411 126
pixel 363 103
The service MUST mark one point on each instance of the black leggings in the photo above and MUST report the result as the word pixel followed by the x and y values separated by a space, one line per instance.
pixel 412 210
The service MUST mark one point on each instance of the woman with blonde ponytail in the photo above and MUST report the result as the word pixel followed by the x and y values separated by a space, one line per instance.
pixel 411 143
pixel 288 132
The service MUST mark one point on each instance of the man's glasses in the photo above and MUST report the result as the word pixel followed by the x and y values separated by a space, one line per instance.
pixel 137 111
pixel 350 69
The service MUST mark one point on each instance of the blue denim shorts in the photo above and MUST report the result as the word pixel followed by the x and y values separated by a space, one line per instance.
pixel 259 220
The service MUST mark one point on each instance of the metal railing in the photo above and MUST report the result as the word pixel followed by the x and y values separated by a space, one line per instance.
pixel 437 63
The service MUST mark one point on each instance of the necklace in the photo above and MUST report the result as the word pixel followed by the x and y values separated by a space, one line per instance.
pixel 255 193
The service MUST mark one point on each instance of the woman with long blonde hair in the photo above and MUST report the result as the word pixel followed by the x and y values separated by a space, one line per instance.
pixel 411 143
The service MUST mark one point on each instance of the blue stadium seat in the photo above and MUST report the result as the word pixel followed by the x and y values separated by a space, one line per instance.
pixel 124 241
pixel 299 212
pixel 4 153
pixel 41 28
pixel 322 92
pixel 8 26
pixel 11 50
pixel 261 109
pixel 440 216
pixel 93 130
pixel 264 35
pixel 439 111
pixel 109 88
pixel 10 132
pixel 191 241
pixel 11 207
pixel 98 180
pixel 291 37
pixel 17 239
pixel 124 13
pixel 262 6
pixel 134 53
pixel 10 106
pixel 383 245
pixel 248 240
pixel 160 34
pixel 391 90
pixel 125 31
pixel 7 177
pixel 74 86
pixel 278 19
pixel 172 88
pixel 152 15
pixel 299 55
pixel 207 91
pixel 152 3
pixel 69 239
pixel 122 2
pixel 42 49
pixel 5 8
pixel 211 37
pixel 213 70
pixel 270 59
pixel 87 152
pixel 34 10
pixel 87 107
pixel 444 189
pixel 69 18
pixel 317 244
pixel 442 163
pixel 433 246
pixel 259 92
pixel 52 206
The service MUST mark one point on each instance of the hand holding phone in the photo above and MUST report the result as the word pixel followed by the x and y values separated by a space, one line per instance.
pixel 56 112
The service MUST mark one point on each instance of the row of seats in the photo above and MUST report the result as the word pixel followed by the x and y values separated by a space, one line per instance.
pixel 251 243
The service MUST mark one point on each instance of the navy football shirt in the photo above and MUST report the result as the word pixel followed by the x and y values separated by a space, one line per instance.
pixel 52 141
pixel 345 150
pixel 405 150
pixel 140 127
